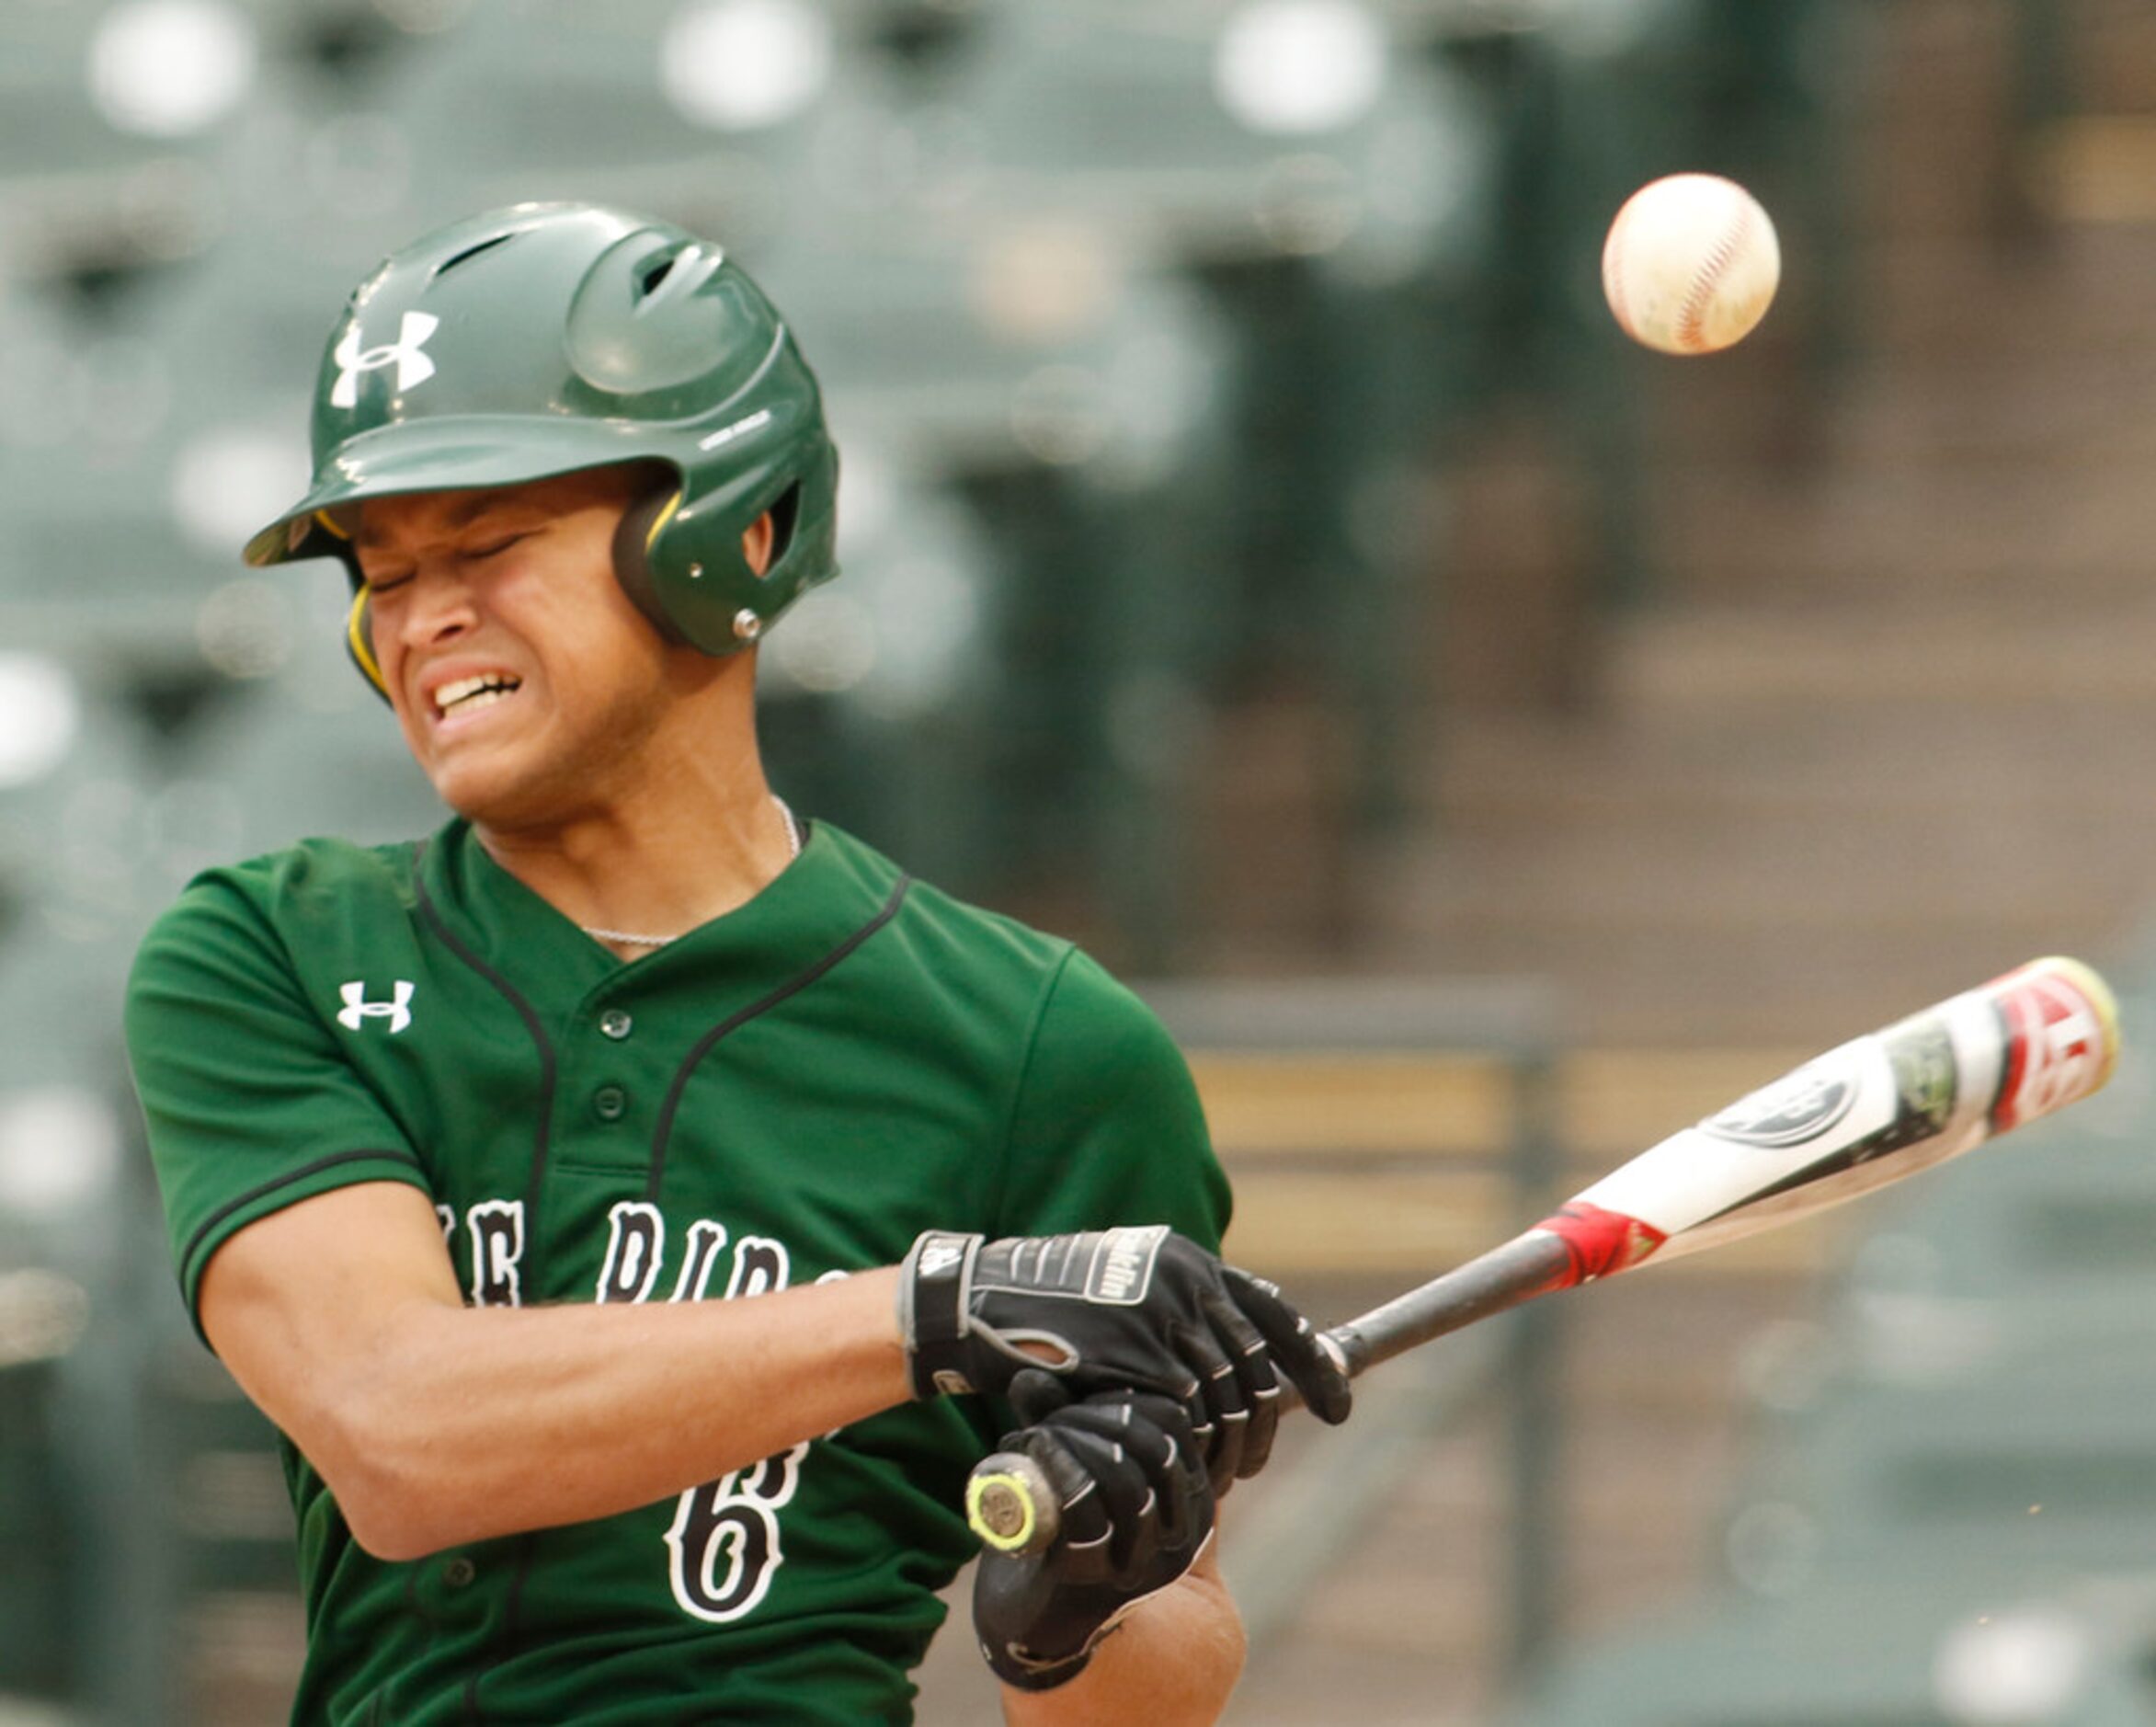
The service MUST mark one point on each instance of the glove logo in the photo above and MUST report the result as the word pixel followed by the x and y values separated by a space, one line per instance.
pixel 357 1009
pixel 407 354
pixel 1123 1266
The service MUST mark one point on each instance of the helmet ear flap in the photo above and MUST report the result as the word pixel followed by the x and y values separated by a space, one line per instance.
pixel 360 643
pixel 640 526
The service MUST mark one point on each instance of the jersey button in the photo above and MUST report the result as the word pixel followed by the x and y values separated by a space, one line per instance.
pixel 616 1025
pixel 459 1572
pixel 611 1103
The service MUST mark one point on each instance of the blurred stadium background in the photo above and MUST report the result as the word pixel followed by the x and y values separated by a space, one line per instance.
pixel 1493 745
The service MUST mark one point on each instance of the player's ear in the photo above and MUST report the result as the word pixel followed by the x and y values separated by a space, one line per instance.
pixel 756 542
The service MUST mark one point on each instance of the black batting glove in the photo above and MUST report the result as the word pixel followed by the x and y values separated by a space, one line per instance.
pixel 1140 1310
pixel 1137 1510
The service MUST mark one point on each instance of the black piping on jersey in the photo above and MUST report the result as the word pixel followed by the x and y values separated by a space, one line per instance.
pixel 396 1154
pixel 735 1021
pixel 506 1646
pixel 533 1184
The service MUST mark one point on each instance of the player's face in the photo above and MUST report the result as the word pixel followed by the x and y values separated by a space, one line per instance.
pixel 527 684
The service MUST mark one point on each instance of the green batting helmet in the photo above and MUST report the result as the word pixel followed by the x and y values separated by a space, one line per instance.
pixel 544 338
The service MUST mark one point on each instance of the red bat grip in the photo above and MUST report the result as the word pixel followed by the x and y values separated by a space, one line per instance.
pixel 1526 1266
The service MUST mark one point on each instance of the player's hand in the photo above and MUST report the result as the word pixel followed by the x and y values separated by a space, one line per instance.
pixel 1118 1309
pixel 1136 1510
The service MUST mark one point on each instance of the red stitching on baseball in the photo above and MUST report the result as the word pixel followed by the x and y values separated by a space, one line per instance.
pixel 1691 319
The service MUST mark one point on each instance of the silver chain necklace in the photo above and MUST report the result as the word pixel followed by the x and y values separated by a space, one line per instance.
pixel 630 939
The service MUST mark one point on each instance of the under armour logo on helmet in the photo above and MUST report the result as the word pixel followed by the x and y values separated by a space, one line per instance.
pixel 406 354
pixel 357 1009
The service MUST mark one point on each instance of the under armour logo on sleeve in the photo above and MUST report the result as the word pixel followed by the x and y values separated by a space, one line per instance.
pixel 407 354
pixel 357 1009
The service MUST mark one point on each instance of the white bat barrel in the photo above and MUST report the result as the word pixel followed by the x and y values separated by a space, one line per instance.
pixel 1872 1111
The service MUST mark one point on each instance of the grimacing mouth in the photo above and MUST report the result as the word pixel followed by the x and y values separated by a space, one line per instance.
pixel 466 696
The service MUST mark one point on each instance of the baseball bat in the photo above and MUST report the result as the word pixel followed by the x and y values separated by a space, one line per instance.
pixel 1870 1112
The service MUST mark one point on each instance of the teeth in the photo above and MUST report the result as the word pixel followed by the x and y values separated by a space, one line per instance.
pixel 474 692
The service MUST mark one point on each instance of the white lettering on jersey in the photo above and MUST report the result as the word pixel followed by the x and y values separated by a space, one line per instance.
pixel 760 1265
pixel 724 1542
pixel 357 1009
pixel 725 1539
pixel 725 1545
pixel 636 1242
pixel 705 1239
pixel 407 354
pixel 497 1248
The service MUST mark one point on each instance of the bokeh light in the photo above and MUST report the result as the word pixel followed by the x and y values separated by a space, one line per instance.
pixel 734 65
pixel 828 645
pixel 900 637
pixel 1062 415
pixel 59 1150
pixel 40 714
pixel 1298 66
pixel 2022 1666
pixel 244 627
pixel 1308 205
pixel 228 480
pixel 1772 1546
pixel 169 68
pixel 928 615
pixel 1046 280
pixel 42 1315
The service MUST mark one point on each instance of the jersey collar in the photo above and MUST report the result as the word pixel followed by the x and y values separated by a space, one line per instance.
pixel 818 900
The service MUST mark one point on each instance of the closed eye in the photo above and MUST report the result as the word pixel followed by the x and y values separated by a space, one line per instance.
pixel 498 548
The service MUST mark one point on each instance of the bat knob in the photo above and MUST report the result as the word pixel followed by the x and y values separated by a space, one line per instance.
pixel 1010 1503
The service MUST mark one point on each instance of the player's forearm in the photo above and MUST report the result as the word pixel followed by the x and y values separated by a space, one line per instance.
pixel 462 1424
pixel 1173 1662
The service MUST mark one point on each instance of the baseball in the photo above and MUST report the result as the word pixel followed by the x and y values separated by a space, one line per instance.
pixel 1690 264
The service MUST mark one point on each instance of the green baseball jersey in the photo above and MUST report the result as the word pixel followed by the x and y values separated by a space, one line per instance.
pixel 789 1093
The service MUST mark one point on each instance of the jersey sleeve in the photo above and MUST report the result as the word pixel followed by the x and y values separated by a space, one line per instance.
pixel 249 1104
pixel 1106 1127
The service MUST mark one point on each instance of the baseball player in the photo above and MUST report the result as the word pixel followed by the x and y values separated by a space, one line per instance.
pixel 637 1204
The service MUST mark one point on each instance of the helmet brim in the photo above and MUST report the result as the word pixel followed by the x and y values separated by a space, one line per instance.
pixel 470 452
